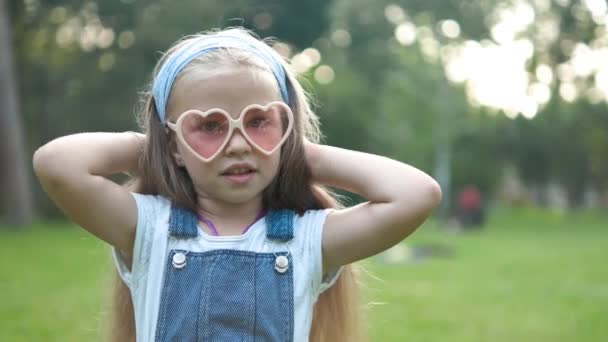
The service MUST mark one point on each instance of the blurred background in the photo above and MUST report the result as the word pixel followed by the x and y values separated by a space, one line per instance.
pixel 503 102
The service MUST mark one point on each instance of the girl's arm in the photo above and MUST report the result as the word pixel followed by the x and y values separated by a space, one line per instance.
pixel 400 197
pixel 72 170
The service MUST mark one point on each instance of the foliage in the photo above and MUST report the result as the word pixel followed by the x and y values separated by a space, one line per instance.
pixel 82 65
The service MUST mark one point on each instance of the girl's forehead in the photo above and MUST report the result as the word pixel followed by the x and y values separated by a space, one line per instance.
pixel 231 89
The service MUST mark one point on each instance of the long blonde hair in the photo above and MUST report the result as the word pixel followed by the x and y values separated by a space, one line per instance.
pixel 336 315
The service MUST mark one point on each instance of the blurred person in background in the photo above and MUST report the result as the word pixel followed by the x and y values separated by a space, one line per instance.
pixel 470 208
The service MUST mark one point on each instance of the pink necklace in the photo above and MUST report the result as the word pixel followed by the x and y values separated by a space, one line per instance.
pixel 214 231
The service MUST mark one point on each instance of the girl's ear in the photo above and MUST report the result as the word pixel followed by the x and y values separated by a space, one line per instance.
pixel 175 152
pixel 178 159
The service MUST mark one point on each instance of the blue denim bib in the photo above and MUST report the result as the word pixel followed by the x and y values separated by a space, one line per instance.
pixel 227 295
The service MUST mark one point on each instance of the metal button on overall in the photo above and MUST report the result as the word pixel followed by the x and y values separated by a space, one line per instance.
pixel 281 264
pixel 179 260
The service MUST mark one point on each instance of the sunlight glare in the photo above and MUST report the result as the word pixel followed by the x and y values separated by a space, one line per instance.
pixel 282 49
pixel 596 7
pixel 301 63
pixel 568 92
pixel 126 39
pixel 450 28
pixel 565 72
pixel 496 76
pixel 313 54
pixel 405 33
pixel 394 14
pixel 544 74
pixel 324 74
pixel 341 38
pixel 601 81
pixel 541 93
pixel 528 107
pixel 583 60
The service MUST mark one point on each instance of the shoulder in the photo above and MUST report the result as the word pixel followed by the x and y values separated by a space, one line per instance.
pixel 151 200
pixel 308 233
pixel 152 215
pixel 150 206
pixel 310 219
pixel 153 212
pixel 308 228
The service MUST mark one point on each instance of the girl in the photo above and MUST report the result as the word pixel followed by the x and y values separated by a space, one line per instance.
pixel 227 233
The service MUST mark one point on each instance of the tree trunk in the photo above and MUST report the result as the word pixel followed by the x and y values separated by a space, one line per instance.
pixel 443 137
pixel 14 170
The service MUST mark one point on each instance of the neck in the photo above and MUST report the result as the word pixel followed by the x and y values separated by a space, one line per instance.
pixel 229 218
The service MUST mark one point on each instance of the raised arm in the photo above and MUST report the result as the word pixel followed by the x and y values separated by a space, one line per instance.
pixel 400 197
pixel 73 169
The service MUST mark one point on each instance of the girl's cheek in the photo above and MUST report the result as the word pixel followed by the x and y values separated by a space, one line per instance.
pixel 198 172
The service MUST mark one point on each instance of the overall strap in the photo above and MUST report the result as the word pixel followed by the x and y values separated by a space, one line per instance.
pixel 182 223
pixel 279 225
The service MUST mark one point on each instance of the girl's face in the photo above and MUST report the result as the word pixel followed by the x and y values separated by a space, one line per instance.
pixel 230 89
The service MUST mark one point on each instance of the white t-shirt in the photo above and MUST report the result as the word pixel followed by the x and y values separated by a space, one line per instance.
pixel 153 244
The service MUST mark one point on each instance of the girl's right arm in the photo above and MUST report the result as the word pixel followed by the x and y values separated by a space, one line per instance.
pixel 73 170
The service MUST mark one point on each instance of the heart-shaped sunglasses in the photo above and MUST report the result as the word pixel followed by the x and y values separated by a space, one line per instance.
pixel 205 134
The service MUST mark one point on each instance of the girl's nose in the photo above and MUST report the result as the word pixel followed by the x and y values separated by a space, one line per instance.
pixel 237 143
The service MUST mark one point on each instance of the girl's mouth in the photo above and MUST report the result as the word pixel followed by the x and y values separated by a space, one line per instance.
pixel 239 178
pixel 239 173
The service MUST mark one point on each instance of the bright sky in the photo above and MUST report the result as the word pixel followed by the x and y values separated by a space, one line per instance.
pixel 496 73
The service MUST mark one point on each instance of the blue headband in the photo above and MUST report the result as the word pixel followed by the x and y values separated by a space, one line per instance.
pixel 178 60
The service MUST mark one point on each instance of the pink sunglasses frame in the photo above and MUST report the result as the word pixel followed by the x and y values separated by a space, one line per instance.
pixel 233 124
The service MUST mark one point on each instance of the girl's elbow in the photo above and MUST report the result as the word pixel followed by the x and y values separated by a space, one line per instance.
pixel 40 161
pixel 422 197
pixel 420 203
pixel 432 198
pixel 434 193
pixel 428 194
pixel 46 163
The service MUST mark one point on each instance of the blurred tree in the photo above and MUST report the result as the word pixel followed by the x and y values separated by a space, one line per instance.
pixel 297 22
pixel 397 48
pixel 403 105
pixel 14 172
pixel 82 65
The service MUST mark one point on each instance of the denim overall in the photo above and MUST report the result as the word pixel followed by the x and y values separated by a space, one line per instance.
pixel 228 295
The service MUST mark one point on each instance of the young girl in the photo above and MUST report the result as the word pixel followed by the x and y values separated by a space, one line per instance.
pixel 227 234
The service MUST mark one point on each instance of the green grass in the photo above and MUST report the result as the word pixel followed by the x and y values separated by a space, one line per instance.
pixel 51 280
pixel 529 276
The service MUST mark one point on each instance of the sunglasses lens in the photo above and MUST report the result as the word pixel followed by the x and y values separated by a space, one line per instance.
pixel 204 134
pixel 266 127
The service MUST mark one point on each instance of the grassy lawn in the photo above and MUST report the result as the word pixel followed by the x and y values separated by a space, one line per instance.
pixel 529 276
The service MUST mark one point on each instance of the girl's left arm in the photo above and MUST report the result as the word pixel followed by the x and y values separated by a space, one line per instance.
pixel 400 197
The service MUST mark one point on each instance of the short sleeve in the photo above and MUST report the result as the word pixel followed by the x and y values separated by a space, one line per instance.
pixel 312 224
pixel 148 208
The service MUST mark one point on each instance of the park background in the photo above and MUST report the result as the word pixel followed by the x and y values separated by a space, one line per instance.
pixel 507 96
